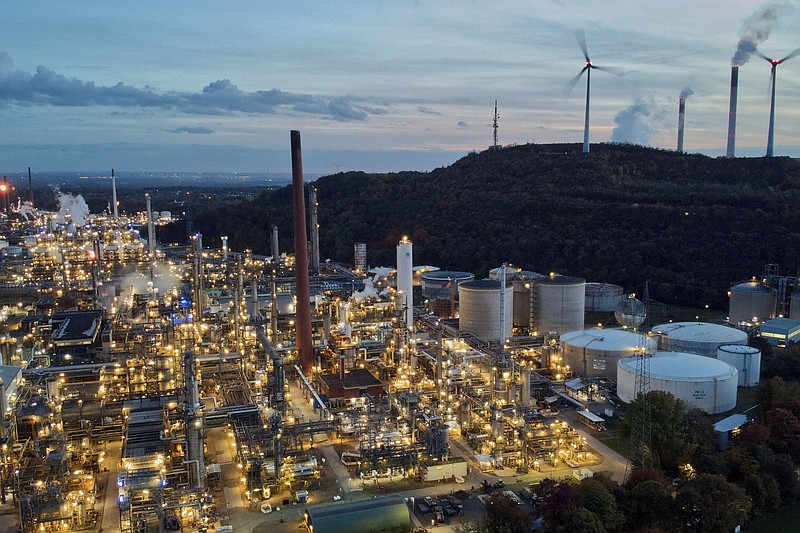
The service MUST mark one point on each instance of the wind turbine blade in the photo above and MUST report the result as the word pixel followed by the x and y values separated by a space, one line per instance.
pixel 574 81
pixel 793 54
pixel 611 70
pixel 581 37
pixel 757 52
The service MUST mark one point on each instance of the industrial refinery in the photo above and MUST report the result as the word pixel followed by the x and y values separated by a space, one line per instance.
pixel 151 387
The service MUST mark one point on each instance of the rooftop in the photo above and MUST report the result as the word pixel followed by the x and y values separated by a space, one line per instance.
pixel 356 378
pixel 679 366
pixel 701 332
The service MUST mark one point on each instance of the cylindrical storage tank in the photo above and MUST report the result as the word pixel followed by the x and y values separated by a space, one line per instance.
pixel 701 382
pixel 794 305
pixel 420 270
pixel 751 301
pixel 360 256
pixel 437 283
pixel 523 283
pixel 603 297
pixel 594 353
pixel 166 216
pixel 480 310
pixel 746 359
pixel 559 304
pixel 702 338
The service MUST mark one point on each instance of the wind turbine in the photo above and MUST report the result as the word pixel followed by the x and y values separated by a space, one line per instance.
pixel 774 63
pixel 579 35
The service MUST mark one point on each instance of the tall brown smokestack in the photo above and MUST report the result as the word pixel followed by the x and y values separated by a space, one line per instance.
pixel 305 351
pixel 681 113
pixel 732 113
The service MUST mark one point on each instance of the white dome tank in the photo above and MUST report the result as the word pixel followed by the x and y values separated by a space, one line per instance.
pixel 479 310
pixel 702 338
pixel 560 304
pixel 746 359
pixel 603 297
pixel 701 382
pixel 750 302
pixel 594 353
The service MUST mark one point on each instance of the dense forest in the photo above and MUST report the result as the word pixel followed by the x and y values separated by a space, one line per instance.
pixel 689 224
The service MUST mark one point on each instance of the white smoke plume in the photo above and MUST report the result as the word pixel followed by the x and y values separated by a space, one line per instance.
pixel 756 29
pixel 686 92
pixel 635 123
pixel 73 207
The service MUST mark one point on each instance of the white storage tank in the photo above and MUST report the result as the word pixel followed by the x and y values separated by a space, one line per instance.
pixel 594 353
pixel 751 301
pixel 480 310
pixel 437 283
pixel 559 304
pixel 702 338
pixel 603 297
pixel 746 359
pixel 702 382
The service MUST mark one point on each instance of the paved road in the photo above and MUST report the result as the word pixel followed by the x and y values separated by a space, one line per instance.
pixel 110 520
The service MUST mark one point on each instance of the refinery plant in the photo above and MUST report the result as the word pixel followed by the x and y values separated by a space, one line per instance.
pixel 151 387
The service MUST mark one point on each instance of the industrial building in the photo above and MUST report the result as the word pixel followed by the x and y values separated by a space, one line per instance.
pixel 780 331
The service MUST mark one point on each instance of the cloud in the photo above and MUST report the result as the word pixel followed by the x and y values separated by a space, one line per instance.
pixel 222 97
pixel 462 124
pixel 427 111
pixel 202 130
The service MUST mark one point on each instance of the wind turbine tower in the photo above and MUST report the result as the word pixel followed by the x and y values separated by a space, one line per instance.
pixel 774 63
pixel 579 35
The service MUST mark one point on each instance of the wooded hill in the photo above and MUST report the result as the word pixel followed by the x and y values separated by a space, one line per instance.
pixel 689 224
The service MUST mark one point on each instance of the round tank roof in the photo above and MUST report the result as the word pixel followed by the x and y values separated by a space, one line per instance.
pixel 524 275
pixel 605 339
pixel 558 279
pixel 446 275
pixel 701 332
pixel 739 348
pixel 482 285
pixel 678 366
pixel 600 287
pixel 751 286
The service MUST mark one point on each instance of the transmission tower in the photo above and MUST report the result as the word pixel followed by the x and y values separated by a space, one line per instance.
pixel 495 126
pixel 632 313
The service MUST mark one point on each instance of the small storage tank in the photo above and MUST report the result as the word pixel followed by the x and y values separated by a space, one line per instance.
pixel 702 338
pixel 437 283
pixel 701 382
pixel 595 353
pixel 751 301
pixel 746 359
pixel 480 310
pixel 559 304
pixel 497 273
pixel 603 297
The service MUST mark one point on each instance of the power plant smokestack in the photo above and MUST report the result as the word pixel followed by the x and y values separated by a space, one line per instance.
pixel 312 205
pixel 151 229
pixel 276 252
pixel 30 185
pixel 114 194
pixel 305 350
pixel 732 113
pixel 681 113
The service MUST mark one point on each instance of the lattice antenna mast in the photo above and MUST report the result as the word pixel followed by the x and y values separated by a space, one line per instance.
pixel 495 125
pixel 632 313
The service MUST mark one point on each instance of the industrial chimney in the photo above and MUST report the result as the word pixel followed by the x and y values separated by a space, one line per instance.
pixel 732 113
pixel 151 229
pixel 194 425
pixel 30 185
pixel 276 252
pixel 114 194
pixel 681 113
pixel 305 350
pixel 312 205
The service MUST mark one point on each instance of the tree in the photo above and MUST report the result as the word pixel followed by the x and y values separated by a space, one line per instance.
pixel 649 505
pixel 559 499
pixel 709 504
pixel 667 428
pixel 598 499
pixel 582 520
pixel 505 516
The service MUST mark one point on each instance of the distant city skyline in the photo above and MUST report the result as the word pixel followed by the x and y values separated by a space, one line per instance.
pixel 376 86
